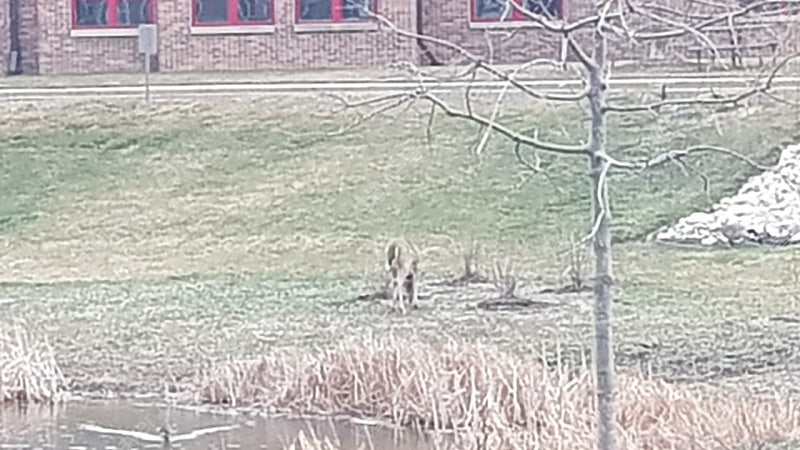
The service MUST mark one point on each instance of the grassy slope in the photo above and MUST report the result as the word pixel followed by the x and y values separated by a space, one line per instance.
pixel 231 228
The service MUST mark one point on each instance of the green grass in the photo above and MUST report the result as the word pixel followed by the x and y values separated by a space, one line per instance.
pixel 144 242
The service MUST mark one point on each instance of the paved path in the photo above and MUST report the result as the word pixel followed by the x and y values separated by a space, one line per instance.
pixel 686 84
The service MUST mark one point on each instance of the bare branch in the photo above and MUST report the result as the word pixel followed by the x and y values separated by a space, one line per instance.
pixel 347 104
pixel 479 63
pixel 509 133
pixel 624 22
pixel 675 12
pixel 429 126
pixel 399 100
pixel 581 54
pixel 602 203
pixel 557 26
pixel 702 38
pixel 720 18
pixel 674 155
pixel 468 90
pixel 782 100
pixel 536 167
pixel 499 100
pixel 492 118
pixel 706 181
pixel 554 25
pixel 715 99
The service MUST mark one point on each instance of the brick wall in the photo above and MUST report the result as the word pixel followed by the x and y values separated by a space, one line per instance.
pixel 48 47
pixel 29 36
pixel 60 53
pixel 284 48
pixel 4 35
pixel 450 20
pixel 180 50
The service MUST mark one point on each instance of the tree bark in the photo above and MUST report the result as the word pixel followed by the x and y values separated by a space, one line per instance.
pixel 601 242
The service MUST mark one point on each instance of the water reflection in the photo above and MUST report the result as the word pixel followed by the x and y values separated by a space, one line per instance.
pixel 43 427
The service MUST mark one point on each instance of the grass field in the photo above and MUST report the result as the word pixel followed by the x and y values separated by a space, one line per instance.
pixel 146 242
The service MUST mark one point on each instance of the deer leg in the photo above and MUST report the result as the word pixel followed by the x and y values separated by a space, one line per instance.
pixel 411 287
pixel 401 300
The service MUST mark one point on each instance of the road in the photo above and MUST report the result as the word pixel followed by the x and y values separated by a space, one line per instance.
pixel 677 84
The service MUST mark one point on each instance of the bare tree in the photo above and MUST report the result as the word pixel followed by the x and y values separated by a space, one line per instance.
pixel 587 40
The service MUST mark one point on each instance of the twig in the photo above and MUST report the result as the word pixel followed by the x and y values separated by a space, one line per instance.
pixel 429 126
pixel 533 168
pixel 701 175
pixel 468 89
pixel 672 155
pixel 399 99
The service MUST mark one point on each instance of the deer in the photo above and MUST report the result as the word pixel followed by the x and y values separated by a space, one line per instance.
pixel 402 264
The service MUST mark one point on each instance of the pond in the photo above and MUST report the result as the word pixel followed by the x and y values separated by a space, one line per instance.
pixel 43 427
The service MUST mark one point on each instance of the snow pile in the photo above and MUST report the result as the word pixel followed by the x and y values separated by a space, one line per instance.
pixel 765 210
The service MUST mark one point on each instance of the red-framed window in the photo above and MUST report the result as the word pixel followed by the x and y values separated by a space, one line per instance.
pixel 502 11
pixel 232 12
pixel 112 13
pixel 333 11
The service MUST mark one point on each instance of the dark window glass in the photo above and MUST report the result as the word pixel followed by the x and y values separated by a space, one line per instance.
pixel 354 9
pixel 92 12
pixel 492 9
pixel 315 9
pixel 210 11
pixel 254 10
pixel 133 12
pixel 547 8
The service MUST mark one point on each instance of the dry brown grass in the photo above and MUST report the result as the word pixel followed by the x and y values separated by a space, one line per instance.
pixel 312 442
pixel 28 369
pixel 502 400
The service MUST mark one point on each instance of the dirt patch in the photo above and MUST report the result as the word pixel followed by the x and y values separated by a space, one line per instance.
pixel 512 304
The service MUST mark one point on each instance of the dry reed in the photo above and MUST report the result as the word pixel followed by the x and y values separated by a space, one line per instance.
pixel 28 370
pixel 301 442
pixel 501 400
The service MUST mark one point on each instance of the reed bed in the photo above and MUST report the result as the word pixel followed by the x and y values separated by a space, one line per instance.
pixel 29 372
pixel 312 442
pixel 494 399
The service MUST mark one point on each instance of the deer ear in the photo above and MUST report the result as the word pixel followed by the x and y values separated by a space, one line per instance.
pixel 391 255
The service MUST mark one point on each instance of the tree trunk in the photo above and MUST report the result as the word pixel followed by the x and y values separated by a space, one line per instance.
pixel 601 242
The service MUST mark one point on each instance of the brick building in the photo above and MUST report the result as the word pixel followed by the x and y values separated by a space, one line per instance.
pixel 92 36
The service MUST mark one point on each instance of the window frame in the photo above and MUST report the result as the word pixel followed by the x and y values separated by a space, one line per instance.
pixel 337 17
pixel 515 19
pixel 233 21
pixel 113 17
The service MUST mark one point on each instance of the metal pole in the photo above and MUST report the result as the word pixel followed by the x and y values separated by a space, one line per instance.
pixel 147 78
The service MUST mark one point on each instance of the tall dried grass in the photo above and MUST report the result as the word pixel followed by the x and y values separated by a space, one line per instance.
pixel 502 400
pixel 312 442
pixel 28 369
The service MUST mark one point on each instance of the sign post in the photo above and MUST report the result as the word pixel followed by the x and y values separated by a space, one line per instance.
pixel 148 45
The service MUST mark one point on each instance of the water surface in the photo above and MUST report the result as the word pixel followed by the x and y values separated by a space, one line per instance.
pixel 43 427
